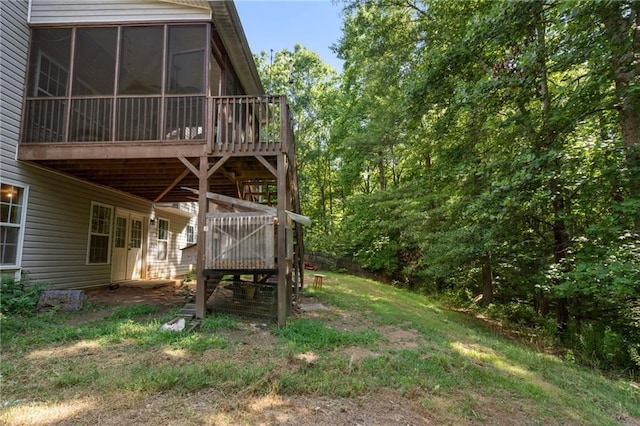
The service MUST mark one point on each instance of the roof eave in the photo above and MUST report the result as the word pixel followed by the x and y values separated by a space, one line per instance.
pixel 226 20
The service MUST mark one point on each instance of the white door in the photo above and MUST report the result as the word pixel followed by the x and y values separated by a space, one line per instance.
pixel 127 248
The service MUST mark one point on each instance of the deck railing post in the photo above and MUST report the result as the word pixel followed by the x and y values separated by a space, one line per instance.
pixel 284 124
pixel 209 126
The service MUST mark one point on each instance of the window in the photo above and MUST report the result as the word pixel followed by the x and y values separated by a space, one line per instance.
pixel 52 77
pixel 163 239
pixel 190 234
pixel 100 233
pixel 135 241
pixel 12 217
pixel 121 232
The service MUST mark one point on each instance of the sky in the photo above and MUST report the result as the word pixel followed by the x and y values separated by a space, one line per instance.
pixel 277 25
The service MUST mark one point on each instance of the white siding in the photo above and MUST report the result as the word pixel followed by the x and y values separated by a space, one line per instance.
pixel 14 44
pixel 112 11
pixel 174 266
pixel 58 220
pixel 58 207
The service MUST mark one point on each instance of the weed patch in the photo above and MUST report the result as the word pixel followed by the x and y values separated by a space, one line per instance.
pixel 311 334
pixel 18 297
pixel 219 322
pixel 132 311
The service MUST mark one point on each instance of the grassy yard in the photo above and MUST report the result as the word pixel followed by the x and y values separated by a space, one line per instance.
pixel 375 355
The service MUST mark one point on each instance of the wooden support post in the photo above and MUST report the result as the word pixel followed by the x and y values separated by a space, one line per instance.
pixel 295 200
pixel 201 286
pixel 282 241
pixel 289 240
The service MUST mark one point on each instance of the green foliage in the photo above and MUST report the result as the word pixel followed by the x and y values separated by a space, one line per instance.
pixel 480 147
pixel 18 297
pixel 311 88
pixel 518 314
pixel 600 346
pixel 488 146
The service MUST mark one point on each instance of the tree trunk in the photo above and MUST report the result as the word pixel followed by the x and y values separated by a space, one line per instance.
pixel 622 24
pixel 541 305
pixel 381 172
pixel 323 197
pixel 560 247
pixel 556 188
pixel 487 282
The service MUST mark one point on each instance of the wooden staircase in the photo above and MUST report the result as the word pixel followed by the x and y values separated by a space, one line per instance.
pixel 188 311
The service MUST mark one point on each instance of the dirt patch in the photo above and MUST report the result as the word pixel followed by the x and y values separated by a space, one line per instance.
pixel 384 408
pixel 400 338
pixel 356 354
pixel 162 294
pixel 212 408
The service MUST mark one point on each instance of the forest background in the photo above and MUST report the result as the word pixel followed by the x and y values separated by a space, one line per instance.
pixel 484 151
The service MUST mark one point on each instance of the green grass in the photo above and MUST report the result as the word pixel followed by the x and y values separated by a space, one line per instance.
pixel 459 352
pixel 455 367
pixel 309 334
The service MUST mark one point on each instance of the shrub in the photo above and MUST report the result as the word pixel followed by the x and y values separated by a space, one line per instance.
pixel 18 297
pixel 514 314
pixel 601 346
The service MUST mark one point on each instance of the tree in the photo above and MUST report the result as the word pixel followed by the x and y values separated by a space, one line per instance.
pixel 505 115
pixel 310 85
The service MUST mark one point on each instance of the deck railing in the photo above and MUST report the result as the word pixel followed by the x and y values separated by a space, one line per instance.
pixel 228 123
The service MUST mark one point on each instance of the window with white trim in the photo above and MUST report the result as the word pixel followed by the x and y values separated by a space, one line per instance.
pixel 100 233
pixel 191 234
pixel 12 217
pixel 163 239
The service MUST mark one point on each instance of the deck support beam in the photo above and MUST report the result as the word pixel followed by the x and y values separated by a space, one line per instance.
pixel 266 165
pixel 282 241
pixel 203 175
pixel 174 183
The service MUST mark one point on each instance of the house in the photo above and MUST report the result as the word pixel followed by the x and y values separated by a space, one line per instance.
pixel 127 125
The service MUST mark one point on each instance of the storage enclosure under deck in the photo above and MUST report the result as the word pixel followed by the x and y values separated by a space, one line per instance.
pixel 240 243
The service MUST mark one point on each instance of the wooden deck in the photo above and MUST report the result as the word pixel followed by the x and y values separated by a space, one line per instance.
pixel 234 125
pixel 113 142
pixel 164 147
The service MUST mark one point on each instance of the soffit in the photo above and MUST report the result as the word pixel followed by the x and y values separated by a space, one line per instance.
pixel 200 4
